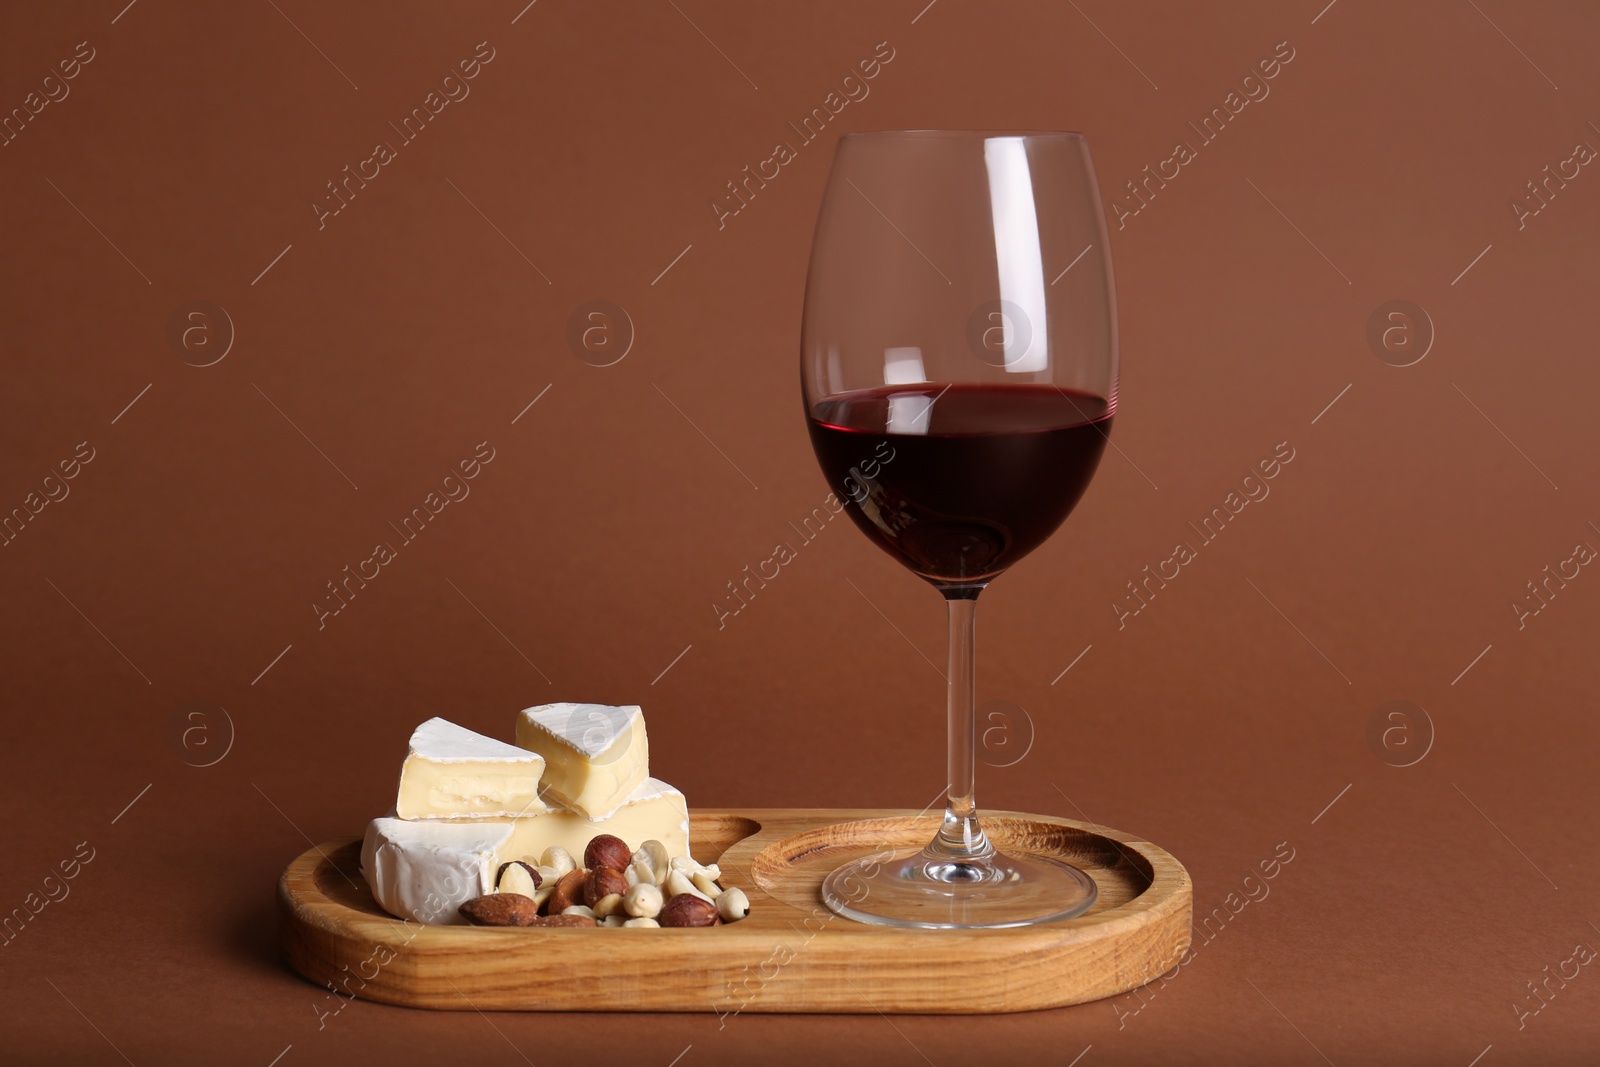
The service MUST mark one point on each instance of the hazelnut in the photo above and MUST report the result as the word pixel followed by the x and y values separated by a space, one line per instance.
pixel 607 851
pixel 687 910
pixel 569 891
pixel 602 882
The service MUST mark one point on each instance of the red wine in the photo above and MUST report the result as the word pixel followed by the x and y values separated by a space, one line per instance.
pixel 959 482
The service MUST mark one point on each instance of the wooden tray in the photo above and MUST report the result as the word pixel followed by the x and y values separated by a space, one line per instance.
pixel 791 955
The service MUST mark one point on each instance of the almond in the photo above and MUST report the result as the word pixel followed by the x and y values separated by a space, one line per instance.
pixel 643 901
pixel 569 891
pixel 524 880
pixel 686 909
pixel 558 859
pixel 733 904
pixel 607 851
pixel 659 861
pixel 601 883
pixel 563 920
pixel 500 909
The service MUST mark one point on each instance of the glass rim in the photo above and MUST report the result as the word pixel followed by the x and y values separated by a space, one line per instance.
pixel 1073 135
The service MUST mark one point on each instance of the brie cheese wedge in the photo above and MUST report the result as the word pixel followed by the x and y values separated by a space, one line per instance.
pixel 595 755
pixel 452 771
pixel 426 870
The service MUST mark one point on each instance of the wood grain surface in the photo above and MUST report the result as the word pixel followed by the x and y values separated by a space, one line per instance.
pixel 790 955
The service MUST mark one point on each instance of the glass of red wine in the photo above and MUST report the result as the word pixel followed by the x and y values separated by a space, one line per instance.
pixel 959 368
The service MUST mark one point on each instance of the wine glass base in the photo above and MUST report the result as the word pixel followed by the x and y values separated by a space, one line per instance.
pixel 921 891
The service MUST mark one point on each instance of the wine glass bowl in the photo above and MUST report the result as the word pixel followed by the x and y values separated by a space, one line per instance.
pixel 959 368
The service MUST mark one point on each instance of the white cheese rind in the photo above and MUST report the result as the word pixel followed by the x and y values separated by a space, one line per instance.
pixel 451 771
pixel 595 755
pixel 426 870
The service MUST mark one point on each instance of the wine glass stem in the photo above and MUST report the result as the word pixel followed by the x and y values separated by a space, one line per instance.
pixel 960 839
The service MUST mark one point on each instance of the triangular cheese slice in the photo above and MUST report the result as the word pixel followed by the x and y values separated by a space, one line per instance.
pixel 452 771
pixel 595 755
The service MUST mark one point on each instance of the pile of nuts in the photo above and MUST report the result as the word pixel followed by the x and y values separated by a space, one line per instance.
pixel 614 887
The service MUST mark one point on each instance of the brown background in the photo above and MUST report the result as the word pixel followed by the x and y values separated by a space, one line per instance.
pixel 1217 723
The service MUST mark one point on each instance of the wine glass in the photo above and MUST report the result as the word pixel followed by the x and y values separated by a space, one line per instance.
pixel 959 369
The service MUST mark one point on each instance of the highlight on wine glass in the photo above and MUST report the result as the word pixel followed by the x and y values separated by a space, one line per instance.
pixel 959 369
